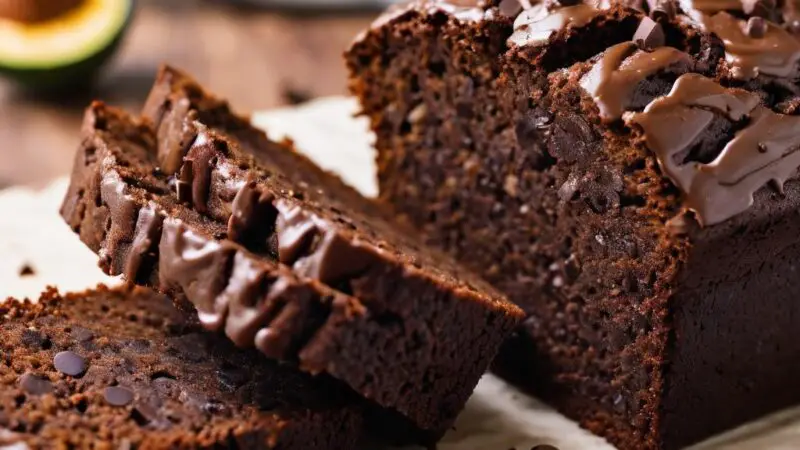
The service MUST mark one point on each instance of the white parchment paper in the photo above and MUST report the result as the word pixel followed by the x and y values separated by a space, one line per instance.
pixel 498 417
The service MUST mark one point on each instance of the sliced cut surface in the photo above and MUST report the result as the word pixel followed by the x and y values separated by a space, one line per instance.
pixel 393 333
pixel 124 368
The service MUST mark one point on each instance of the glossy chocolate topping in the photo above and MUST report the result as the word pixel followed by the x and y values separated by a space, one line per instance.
pixel 536 25
pixel 615 77
pixel 764 150
pixel 251 215
pixel 145 239
pixel 315 246
pixel 332 257
pixel 711 6
pixel 194 263
pixel 121 207
pixel 767 49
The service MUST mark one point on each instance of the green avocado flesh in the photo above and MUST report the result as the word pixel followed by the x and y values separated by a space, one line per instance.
pixel 65 49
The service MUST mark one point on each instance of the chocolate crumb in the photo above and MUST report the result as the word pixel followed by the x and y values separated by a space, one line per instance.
pixel 27 270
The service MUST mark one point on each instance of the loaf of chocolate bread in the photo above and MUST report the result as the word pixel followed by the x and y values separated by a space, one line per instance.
pixel 626 173
pixel 124 369
pixel 275 267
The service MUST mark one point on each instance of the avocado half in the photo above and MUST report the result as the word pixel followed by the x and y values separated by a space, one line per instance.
pixel 65 51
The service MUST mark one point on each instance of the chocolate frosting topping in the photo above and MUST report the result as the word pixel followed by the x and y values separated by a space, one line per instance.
pixel 296 230
pixel 765 150
pixel 145 239
pixel 120 206
pixel 771 50
pixel 536 25
pixel 316 249
pixel 194 263
pixel 200 157
pixel 615 77
pixel 252 217
pixel 711 6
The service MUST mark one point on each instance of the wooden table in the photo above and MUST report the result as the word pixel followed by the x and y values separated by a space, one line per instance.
pixel 257 59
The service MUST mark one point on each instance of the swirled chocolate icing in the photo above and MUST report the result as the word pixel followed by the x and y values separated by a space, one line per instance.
pixel 764 149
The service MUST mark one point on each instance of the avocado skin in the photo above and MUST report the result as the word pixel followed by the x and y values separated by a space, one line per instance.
pixel 75 76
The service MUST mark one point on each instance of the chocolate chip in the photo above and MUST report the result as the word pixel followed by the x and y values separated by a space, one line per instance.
pixel 760 8
pixel 70 363
pixel 664 11
pixel 118 396
pixel 756 27
pixel 793 26
pixel 568 2
pixel 649 35
pixel 82 334
pixel 510 8
pixel 35 384
pixel 183 184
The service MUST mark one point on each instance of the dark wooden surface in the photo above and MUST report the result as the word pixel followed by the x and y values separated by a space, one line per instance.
pixel 255 58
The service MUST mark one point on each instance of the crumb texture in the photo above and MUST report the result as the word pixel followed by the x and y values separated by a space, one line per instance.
pixel 607 166
pixel 123 368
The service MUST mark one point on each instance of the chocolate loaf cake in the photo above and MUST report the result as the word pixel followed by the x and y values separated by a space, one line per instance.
pixel 124 369
pixel 626 173
pixel 300 280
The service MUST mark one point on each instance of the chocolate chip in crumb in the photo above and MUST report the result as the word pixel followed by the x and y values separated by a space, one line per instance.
pixel 35 384
pixel 756 27
pixel 664 11
pixel 70 363
pixel 760 8
pixel 649 34
pixel 82 334
pixel 118 396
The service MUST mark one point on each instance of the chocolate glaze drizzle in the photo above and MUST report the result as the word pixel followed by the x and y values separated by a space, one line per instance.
pixel 773 52
pixel 764 150
pixel 536 25
pixel 616 75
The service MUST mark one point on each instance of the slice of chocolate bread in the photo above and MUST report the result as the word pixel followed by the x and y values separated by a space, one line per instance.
pixel 624 172
pixel 392 325
pixel 124 369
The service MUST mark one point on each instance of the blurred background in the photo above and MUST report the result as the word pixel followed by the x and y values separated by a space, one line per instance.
pixel 260 54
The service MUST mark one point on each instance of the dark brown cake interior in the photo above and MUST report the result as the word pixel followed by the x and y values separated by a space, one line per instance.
pixel 179 103
pixel 500 156
pixel 124 368
pixel 396 340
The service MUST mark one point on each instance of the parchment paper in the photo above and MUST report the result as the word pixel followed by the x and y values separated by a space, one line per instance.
pixel 498 417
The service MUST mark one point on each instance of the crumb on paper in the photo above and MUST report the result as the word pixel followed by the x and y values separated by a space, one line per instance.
pixel 27 270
